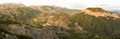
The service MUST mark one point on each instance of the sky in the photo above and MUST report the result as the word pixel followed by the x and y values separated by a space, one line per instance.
pixel 72 4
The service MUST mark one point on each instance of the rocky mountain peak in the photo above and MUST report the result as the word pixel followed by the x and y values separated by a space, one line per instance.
pixel 99 12
pixel 97 9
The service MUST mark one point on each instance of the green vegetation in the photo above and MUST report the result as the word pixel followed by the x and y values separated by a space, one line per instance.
pixel 100 25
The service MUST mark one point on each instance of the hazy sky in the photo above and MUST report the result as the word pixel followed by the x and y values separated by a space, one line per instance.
pixel 75 4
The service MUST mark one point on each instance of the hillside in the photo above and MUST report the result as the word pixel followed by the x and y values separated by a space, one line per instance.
pixel 18 21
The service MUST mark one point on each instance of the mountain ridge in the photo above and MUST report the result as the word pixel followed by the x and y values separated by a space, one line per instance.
pixel 100 12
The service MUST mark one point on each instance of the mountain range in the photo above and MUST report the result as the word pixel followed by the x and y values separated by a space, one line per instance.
pixel 18 21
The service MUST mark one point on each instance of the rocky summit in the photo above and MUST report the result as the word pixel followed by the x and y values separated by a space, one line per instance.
pixel 18 21
pixel 100 12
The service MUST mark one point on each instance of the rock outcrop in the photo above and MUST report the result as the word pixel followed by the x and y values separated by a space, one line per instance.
pixel 27 31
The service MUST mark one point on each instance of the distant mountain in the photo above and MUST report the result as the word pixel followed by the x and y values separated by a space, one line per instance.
pixel 53 9
pixel 10 5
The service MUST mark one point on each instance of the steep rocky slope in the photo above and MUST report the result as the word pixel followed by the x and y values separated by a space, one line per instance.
pixel 23 23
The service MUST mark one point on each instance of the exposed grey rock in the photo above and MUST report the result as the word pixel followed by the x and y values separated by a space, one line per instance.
pixel 28 31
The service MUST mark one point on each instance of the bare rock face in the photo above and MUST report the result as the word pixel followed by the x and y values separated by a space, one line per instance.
pixel 100 12
pixel 6 36
pixel 33 33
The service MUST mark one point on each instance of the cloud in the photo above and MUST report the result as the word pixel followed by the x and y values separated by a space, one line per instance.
pixel 103 5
